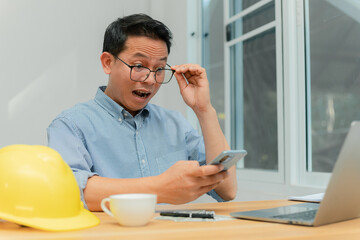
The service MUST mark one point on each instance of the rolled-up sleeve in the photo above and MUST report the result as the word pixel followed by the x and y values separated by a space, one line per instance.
pixel 64 136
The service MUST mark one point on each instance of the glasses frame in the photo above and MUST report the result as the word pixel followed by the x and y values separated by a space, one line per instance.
pixel 150 71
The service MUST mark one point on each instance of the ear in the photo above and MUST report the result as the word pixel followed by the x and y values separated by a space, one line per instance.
pixel 107 62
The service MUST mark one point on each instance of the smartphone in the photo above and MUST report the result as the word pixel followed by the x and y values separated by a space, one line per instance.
pixel 228 158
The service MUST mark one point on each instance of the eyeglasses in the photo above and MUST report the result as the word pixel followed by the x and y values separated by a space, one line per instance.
pixel 140 73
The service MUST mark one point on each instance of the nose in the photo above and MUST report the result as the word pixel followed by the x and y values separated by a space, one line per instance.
pixel 151 78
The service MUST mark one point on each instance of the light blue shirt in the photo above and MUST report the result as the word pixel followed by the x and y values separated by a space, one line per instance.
pixel 99 137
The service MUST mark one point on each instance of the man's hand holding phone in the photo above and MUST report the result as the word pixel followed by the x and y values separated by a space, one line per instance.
pixel 185 181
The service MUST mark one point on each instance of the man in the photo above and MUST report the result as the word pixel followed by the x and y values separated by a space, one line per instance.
pixel 119 143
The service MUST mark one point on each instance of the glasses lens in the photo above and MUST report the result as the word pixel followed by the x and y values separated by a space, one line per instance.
pixel 139 73
pixel 164 75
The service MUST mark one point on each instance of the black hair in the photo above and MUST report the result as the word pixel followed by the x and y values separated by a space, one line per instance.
pixel 118 31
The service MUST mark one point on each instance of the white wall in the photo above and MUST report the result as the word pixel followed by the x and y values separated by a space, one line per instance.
pixel 49 58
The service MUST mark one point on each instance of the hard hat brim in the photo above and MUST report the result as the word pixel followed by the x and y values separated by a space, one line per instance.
pixel 84 219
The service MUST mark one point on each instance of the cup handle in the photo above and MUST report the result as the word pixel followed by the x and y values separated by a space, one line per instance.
pixel 104 208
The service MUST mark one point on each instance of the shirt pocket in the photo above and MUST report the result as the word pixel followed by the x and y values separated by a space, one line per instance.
pixel 167 160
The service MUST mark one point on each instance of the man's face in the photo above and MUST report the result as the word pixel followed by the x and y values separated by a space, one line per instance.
pixel 144 51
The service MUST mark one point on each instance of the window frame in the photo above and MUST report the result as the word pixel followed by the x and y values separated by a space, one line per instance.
pixel 292 177
pixel 293 144
pixel 256 174
pixel 297 97
pixel 306 177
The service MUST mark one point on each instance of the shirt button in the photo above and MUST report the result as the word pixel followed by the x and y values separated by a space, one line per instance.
pixel 143 161
pixel 137 132
pixel 120 119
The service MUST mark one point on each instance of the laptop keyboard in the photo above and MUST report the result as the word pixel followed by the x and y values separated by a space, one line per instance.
pixel 306 215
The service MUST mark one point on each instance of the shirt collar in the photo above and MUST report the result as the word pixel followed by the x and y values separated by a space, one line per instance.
pixel 112 107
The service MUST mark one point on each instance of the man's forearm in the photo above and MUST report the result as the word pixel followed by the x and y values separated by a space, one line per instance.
pixel 98 188
pixel 214 138
pixel 215 143
pixel 183 182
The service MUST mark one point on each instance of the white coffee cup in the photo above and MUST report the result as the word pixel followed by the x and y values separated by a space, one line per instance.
pixel 133 209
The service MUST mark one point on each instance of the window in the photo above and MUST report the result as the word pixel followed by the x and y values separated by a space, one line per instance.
pixel 291 84
pixel 251 42
pixel 332 33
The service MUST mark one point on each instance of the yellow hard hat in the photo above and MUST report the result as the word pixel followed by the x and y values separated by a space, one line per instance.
pixel 38 189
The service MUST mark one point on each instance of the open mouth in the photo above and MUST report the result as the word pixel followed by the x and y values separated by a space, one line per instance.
pixel 141 94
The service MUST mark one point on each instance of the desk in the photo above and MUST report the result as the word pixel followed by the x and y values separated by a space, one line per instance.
pixel 161 229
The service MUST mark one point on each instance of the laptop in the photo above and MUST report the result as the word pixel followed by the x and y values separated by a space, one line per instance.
pixel 341 200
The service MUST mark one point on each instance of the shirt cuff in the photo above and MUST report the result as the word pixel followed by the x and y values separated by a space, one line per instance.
pixel 216 196
pixel 82 177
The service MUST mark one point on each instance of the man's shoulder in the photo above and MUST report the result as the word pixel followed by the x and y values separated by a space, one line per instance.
pixel 79 111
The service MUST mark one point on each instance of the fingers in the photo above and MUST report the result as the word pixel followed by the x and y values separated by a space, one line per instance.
pixel 194 169
pixel 183 68
pixel 189 70
pixel 209 175
pixel 213 179
pixel 207 170
pixel 205 175
pixel 212 182
pixel 208 188
pixel 181 80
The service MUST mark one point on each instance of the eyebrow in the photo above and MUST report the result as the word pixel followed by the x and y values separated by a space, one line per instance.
pixel 144 56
